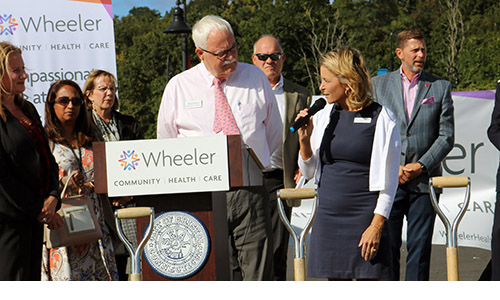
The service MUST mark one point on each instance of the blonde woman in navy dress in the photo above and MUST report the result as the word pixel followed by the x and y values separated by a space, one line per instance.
pixel 352 150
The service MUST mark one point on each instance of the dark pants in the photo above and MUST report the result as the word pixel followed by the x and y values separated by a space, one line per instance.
pixel 495 242
pixel 420 215
pixel 250 233
pixel 21 250
pixel 280 233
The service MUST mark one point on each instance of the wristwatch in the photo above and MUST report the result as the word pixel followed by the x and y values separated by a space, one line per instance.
pixel 423 168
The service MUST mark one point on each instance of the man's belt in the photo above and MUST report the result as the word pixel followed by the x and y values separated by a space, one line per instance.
pixel 276 173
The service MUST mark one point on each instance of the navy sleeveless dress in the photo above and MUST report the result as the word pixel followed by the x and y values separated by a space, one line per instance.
pixel 345 203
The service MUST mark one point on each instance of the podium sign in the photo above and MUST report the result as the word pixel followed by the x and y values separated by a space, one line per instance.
pixel 167 166
pixel 181 174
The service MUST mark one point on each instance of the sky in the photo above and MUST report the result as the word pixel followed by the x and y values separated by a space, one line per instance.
pixel 122 7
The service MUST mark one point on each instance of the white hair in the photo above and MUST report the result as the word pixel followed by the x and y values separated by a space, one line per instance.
pixel 205 26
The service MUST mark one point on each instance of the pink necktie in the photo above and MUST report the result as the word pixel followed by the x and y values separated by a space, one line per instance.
pixel 224 119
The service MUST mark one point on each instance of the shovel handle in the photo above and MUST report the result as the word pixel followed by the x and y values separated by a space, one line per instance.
pixel 300 269
pixel 292 194
pixel 133 212
pixel 450 181
pixel 452 263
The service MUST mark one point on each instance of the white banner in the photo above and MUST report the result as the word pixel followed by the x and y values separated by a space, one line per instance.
pixel 474 156
pixel 60 39
pixel 167 166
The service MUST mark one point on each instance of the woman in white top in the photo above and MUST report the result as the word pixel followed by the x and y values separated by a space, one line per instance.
pixel 352 150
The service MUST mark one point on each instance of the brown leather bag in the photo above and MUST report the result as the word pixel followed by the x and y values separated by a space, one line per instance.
pixel 80 222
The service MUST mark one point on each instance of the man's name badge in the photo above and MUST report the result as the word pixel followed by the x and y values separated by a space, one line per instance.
pixel 193 104
pixel 361 120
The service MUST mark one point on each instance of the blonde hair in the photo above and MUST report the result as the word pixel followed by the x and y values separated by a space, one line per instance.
pixel 348 65
pixel 6 50
pixel 89 86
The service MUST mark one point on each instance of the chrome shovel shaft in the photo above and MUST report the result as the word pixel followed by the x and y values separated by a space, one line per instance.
pixel 298 238
pixel 135 255
pixel 451 228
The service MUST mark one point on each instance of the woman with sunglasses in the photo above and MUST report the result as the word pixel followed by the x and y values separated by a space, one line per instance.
pixel 29 195
pixel 69 129
pixel 352 150
pixel 110 125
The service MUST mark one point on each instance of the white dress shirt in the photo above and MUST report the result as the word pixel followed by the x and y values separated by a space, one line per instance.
pixel 277 156
pixel 384 162
pixel 188 107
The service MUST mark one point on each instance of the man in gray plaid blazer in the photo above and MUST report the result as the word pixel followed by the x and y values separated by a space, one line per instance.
pixel 424 111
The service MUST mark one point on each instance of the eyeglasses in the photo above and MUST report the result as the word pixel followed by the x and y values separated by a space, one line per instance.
pixel 76 101
pixel 104 89
pixel 273 56
pixel 222 54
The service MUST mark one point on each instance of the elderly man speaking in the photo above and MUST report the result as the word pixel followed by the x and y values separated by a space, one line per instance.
pixel 222 96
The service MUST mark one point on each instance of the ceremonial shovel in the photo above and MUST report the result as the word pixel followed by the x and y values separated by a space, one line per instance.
pixel 298 241
pixel 451 229
pixel 133 213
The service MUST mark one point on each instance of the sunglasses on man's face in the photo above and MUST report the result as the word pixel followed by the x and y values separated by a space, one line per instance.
pixel 76 101
pixel 273 56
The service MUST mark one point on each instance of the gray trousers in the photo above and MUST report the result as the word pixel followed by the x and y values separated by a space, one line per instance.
pixel 250 233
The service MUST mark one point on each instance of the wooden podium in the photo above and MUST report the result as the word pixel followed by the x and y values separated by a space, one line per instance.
pixel 208 207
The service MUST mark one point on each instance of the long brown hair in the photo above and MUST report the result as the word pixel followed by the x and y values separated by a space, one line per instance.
pixel 6 50
pixel 53 126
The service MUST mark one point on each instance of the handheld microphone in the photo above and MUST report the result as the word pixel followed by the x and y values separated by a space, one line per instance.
pixel 317 106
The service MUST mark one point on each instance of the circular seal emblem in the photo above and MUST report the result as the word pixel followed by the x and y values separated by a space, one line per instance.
pixel 179 245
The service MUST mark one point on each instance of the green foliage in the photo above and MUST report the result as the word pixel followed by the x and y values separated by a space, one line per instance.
pixel 142 51
pixel 307 29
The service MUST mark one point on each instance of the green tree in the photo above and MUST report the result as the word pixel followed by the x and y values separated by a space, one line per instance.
pixel 142 51
pixel 308 29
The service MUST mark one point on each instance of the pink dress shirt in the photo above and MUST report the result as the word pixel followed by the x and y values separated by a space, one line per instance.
pixel 409 92
pixel 188 107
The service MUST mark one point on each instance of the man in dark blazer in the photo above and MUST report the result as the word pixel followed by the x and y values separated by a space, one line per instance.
pixel 494 136
pixel 424 111
pixel 291 98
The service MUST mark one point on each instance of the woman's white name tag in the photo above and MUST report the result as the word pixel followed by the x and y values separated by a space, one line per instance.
pixel 362 120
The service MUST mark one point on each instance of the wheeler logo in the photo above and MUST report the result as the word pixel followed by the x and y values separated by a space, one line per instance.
pixel 129 160
pixel 7 24
pixel 43 23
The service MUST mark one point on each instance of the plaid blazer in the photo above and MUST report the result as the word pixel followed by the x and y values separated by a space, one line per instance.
pixel 429 134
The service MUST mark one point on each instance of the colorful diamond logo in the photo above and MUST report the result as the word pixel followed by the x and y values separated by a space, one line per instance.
pixel 7 24
pixel 129 160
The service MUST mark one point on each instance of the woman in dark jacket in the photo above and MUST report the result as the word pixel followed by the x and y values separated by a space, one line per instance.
pixel 28 175
pixel 100 98
pixel 110 125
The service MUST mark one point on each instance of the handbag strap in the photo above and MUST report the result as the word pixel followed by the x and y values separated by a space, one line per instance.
pixel 66 185
pixel 79 156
